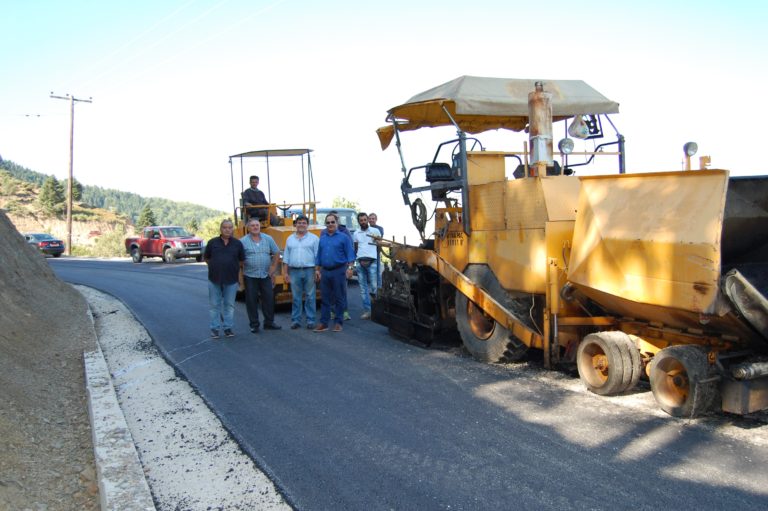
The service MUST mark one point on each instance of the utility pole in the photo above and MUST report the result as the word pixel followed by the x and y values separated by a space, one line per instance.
pixel 72 101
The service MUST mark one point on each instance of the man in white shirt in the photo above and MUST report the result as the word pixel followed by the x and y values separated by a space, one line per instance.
pixel 299 271
pixel 373 221
pixel 365 261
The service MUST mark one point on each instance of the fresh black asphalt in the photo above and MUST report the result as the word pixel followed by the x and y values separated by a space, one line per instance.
pixel 357 420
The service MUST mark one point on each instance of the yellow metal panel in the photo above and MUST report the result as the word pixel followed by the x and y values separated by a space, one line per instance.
pixel 486 205
pixel 558 236
pixel 561 195
pixel 525 205
pixel 454 246
pixel 651 238
pixel 279 234
pixel 518 259
pixel 485 167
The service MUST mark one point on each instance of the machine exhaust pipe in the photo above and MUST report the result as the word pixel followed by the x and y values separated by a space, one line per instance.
pixel 540 130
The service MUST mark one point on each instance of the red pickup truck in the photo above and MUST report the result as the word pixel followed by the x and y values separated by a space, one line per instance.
pixel 168 242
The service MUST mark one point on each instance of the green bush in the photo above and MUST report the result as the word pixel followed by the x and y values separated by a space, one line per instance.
pixel 111 244
pixel 83 216
pixel 13 206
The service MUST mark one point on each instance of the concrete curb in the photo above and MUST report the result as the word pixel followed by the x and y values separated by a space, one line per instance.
pixel 122 485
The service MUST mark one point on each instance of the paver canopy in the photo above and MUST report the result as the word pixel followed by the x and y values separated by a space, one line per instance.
pixel 478 104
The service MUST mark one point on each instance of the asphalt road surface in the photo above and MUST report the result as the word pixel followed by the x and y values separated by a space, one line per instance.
pixel 357 420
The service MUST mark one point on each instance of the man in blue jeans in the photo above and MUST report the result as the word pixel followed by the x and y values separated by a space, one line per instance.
pixel 224 256
pixel 367 269
pixel 373 221
pixel 333 264
pixel 299 271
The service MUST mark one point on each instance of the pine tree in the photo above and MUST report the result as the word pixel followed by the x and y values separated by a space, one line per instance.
pixel 146 218
pixel 77 189
pixel 51 195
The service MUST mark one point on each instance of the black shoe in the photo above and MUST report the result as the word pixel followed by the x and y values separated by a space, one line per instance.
pixel 294 326
pixel 214 333
pixel 310 326
pixel 228 332
pixel 272 326
pixel 254 330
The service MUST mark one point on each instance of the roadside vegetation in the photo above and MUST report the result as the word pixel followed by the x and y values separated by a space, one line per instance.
pixel 30 195
pixel 130 205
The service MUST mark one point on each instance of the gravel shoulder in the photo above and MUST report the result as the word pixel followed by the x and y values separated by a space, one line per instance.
pixel 189 459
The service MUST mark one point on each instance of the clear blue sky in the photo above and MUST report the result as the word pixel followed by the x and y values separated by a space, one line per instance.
pixel 178 86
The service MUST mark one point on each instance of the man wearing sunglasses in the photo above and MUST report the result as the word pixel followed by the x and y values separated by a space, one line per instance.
pixel 333 265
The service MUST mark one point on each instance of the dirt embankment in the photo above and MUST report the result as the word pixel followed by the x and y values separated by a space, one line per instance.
pixel 47 453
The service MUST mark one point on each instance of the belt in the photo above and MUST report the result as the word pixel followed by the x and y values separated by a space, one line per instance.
pixel 329 268
pixel 299 267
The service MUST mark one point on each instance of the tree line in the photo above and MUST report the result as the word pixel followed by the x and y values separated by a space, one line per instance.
pixel 163 211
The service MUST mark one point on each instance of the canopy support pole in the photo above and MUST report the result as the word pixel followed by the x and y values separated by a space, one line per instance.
pixel 465 215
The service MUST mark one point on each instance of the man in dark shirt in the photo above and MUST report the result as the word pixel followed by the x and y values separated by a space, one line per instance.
pixel 224 256
pixel 333 265
pixel 254 197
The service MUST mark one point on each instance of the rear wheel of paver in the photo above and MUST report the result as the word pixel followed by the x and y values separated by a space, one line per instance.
pixel 682 381
pixel 608 363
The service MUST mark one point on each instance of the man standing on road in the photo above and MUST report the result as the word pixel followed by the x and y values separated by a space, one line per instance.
pixel 224 256
pixel 367 269
pixel 333 264
pixel 373 220
pixel 298 271
pixel 261 258
pixel 343 229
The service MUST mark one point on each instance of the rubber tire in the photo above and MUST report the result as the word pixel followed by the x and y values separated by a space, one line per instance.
pixel 136 255
pixel 199 258
pixel 501 345
pixel 699 397
pixel 624 365
pixel 57 255
pixel 632 358
pixel 168 256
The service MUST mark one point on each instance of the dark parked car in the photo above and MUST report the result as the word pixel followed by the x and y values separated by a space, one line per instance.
pixel 46 243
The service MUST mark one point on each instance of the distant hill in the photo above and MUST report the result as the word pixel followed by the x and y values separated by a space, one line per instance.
pixel 21 202
pixel 167 212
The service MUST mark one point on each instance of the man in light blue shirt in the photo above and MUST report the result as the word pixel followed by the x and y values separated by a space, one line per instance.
pixel 299 271
pixel 261 258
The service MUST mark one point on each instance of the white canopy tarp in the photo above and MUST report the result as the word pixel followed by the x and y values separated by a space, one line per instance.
pixel 478 104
